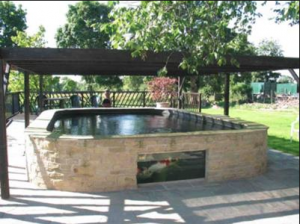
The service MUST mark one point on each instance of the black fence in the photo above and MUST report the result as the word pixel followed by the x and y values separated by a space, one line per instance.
pixel 15 101
pixel 12 104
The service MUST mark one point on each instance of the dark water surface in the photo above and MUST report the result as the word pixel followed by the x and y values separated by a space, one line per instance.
pixel 109 125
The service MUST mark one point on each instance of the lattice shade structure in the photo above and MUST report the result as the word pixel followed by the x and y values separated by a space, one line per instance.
pixel 109 62
pixel 118 62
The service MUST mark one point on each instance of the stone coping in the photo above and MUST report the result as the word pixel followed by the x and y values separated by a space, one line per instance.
pixel 41 127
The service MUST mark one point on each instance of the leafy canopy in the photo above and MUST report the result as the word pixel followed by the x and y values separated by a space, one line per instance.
pixel 268 48
pixel 198 29
pixel 82 31
pixel 12 20
pixel 287 11
pixel 37 40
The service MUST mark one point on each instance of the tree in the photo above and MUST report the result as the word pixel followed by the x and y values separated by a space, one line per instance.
pixel 268 48
pixel 37 40
pixel 287 11
pixel 12 20
pixel 162 88
pixel 197 29
pixel 68 84
pixel 135 83
pixel 82 31
pixel 286 79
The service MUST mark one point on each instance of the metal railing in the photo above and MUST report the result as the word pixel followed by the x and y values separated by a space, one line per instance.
pixel 12 104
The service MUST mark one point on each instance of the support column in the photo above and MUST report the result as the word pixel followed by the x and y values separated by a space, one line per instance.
pixel 6 68
pixel 26 100
pixel 41 103
pixel 227 95
pixel 180 92
pixel 4 179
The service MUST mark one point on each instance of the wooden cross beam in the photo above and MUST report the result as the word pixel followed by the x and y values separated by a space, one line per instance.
pixel 294 74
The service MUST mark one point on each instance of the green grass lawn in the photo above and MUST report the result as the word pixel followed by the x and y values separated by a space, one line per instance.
pixel 279 123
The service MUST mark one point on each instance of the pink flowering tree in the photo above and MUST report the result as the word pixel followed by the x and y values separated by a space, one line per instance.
pixel 162 88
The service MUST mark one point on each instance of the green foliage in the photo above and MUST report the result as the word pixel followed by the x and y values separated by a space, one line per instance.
pixel 84 30
pixel 109 82
pixel 80 30
pixel 287 11
pixel 135 83
pixel 241 92
pixel 198 29
pixel 207 91
pixel 68 85
pixel 12 20
pixel 16 84
pixel 22 39
pixel 285 79
pixel 268 48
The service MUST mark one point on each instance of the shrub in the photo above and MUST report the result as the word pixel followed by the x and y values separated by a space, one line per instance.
pixel 162 88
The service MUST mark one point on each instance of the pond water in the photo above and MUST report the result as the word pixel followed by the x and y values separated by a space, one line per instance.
pixel 128 125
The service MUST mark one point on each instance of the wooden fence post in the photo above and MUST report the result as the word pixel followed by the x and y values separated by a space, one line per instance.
pixel 200 103
pixel 144 99
pixel 114 99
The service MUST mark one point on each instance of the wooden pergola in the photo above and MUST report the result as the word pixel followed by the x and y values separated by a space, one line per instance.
pixel 46 61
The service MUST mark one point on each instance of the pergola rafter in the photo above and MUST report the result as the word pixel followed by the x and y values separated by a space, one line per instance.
pixel 46 61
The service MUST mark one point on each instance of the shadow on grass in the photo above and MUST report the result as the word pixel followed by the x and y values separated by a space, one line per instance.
pixel 284 145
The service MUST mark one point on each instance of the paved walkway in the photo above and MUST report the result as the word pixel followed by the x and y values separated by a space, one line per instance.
pixel 269 199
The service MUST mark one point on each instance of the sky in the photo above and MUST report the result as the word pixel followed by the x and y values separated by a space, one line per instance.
pixel 52 15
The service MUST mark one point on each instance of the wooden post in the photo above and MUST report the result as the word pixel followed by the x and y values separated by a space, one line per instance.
pixel 41 98
pixel 82 100
pixel 5 194
pixel 114 100
pixel 227 95
pixel 180 88
pixel 144 99
pixel 26 100
pixel 200 102
pixel 6 68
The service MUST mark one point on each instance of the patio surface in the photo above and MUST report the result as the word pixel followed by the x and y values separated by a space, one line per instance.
pixel 272 198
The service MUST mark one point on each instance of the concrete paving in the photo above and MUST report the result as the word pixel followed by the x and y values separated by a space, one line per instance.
pixel 269 199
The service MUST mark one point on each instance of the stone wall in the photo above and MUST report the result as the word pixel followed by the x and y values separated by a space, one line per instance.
pixel 95 165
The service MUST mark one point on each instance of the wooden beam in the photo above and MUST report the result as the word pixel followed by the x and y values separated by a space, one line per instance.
pixel 227 94
pixel 4 179
pixel 294 74
pixel 26 100
pixel 104 55
pixel 120 62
